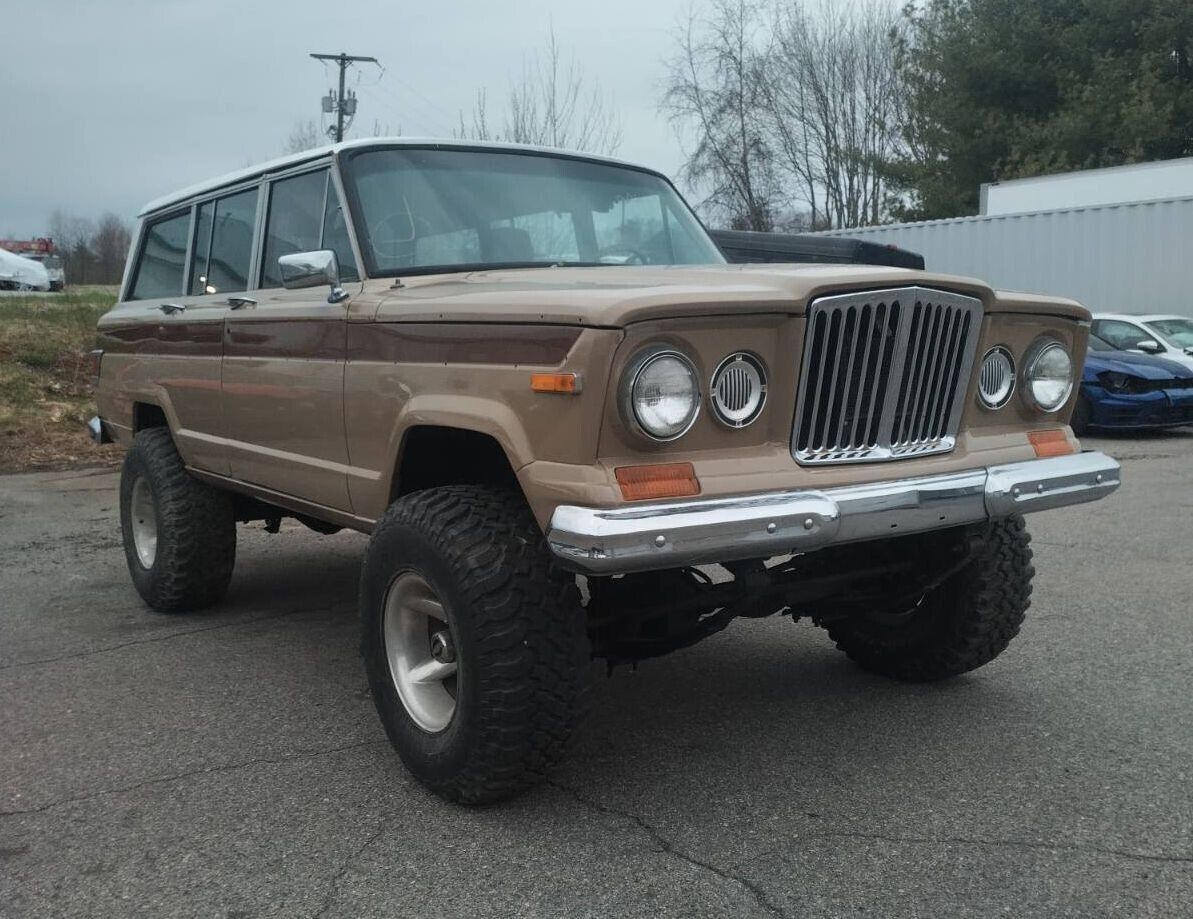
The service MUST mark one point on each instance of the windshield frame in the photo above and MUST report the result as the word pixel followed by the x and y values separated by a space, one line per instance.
pixel 344 160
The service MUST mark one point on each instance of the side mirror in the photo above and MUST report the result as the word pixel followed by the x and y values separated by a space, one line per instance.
pixel 313 269
pixel 1150 347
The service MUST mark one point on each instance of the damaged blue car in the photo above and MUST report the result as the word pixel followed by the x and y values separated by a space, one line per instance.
pixel 1125 390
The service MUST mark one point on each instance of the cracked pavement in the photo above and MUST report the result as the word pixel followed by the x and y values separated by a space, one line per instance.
pixel 229 764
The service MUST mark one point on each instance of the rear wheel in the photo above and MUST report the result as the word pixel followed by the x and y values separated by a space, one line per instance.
pixel 475 643
pixel 179 534
pixel 958 626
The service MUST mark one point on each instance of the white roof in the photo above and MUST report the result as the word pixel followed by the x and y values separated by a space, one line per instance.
pixel 1087 187
pixel 1139 317
pixel 294 159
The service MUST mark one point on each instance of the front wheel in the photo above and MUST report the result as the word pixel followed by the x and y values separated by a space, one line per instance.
pixel 475 644
pixel 958 626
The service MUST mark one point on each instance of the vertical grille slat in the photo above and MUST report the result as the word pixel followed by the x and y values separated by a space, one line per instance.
pixel 883 374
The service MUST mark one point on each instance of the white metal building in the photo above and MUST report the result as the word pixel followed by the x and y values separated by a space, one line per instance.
pixel 1114 185
pixel 1134 256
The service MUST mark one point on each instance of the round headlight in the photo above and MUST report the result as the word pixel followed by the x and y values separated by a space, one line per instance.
pixel 996 382
pixel 738 390
pixel 663 394
pixel 1049 376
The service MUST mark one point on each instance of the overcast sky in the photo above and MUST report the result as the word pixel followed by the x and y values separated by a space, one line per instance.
pixel 107 105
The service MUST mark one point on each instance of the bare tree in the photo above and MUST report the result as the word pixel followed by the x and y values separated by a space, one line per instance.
pixel 304 136
pixel 552 104
pixel 110 246
pixel 715 85
pixel 833 104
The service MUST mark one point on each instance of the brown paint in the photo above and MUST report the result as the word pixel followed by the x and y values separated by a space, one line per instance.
pixel 446 343
pixel 174 337
pixel 289 338
pixel 324 339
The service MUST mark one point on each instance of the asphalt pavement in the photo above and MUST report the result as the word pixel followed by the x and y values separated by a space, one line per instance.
pixel 230 764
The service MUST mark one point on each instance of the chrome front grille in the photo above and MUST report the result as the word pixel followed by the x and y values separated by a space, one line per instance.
pixel 884 374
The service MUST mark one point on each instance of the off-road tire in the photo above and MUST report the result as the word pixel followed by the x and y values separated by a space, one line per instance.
pixel 1081 415
pixel 964 623
pixel 196 529
pixel 520 639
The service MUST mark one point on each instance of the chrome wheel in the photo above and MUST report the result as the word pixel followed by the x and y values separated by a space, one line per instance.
pixel 420 651
pixel 144 522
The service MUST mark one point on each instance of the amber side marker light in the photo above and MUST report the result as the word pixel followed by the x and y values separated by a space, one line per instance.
pixel 555 382
pixel 1053 442
pixel 668 480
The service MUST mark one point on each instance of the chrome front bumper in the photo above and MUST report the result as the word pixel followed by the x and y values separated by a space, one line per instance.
pixel 646 537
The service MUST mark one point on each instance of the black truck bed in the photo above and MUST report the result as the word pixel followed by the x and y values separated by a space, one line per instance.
pixel 750 246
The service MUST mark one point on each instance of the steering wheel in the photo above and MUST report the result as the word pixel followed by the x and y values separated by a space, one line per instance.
pixel 625 256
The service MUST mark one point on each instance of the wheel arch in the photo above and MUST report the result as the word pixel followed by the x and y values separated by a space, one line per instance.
pixel 435 455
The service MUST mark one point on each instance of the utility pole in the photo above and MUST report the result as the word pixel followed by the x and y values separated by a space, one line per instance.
pixel 342 104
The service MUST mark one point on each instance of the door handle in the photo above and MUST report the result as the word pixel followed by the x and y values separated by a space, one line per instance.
pixel 238 302
pixel 171 308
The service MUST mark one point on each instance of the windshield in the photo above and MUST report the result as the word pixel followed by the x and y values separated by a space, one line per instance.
pixel 422 211
pixel 1100 344
pixel 1177 331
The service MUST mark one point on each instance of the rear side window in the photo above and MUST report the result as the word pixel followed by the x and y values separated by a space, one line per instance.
pixel 231 243
pixel 295 222
pixel 162 260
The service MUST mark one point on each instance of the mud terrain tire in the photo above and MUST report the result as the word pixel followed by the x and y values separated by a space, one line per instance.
pixel 186 530
pixel 517 629
pixel 964 623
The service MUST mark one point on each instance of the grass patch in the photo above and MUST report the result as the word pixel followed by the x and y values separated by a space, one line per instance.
pixel 45 382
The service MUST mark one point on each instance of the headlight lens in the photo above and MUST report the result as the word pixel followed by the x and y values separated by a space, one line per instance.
pixel 1050 376
pixel 664 394
pixel 1115 382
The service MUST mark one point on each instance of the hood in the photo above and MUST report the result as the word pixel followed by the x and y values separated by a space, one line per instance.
pixel 616 296
pixel 1144 366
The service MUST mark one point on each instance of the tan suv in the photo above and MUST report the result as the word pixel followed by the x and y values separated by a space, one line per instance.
pixel 573 431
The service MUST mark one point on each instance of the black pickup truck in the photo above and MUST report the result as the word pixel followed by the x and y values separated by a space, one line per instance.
pixel 751 246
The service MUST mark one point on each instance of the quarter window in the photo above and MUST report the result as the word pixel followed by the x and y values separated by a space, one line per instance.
pixel 163 258
pixel 335 236
pixel 231 243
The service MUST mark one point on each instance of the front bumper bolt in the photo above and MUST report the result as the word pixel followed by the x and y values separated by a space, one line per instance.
pixel 808 524
pixel 660 540
pixel 770 527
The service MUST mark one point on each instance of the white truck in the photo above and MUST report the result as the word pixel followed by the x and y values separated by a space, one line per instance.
pixel 19 273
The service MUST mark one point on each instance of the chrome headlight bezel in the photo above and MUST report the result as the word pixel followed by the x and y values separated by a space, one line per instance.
pixel 629 385
pixel 997 400
pixel 755 369
pixel 1039 350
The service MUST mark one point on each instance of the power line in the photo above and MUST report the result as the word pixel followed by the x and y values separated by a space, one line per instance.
pixel 342 104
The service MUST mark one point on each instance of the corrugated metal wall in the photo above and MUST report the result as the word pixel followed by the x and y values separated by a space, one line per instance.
pixel 1129 257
